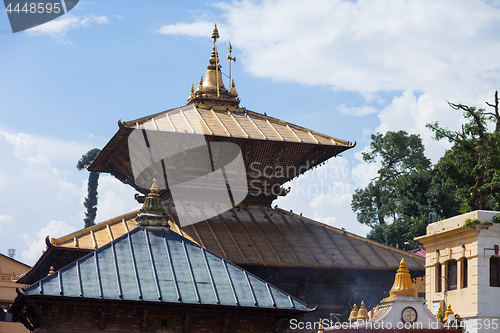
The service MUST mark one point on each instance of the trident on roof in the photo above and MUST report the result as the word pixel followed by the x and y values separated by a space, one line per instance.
pixel 230 48
pixel 215 35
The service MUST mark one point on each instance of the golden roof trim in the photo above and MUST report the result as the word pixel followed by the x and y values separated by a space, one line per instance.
pixel 98 226
pixel 252 116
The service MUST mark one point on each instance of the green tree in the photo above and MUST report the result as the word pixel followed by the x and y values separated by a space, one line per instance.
pixel 399 153
pixel 472 165
pixel 419 192
pixel 90 202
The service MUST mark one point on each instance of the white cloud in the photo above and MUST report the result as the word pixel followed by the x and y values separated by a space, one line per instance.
pixel 85 22
pixel 363 46
pixel 67 190
pixel 325 193
pixel 4 219
pixel 114 198
pixel 444 50
pixel 36 245
pixel 357 111
pixel 40 182
pixel 197 29
pixel 58 28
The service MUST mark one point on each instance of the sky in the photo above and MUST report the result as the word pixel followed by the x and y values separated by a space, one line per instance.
pixel 347 69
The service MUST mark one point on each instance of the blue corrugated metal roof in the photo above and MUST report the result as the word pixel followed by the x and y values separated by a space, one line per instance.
pixel 158 265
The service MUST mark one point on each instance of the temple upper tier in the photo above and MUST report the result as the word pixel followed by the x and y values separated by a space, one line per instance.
pixel 272 151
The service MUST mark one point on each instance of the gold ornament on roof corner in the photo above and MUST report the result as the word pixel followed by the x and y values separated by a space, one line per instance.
pixel 51 270
pixel 354 313
pixel 402 284
pixel 200 86
pixel 191 94
pixel 233 92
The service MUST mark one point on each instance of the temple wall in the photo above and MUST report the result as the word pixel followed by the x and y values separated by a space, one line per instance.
pixel 95 318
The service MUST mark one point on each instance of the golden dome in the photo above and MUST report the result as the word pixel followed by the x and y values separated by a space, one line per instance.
pixel 211 92
pixel 402 284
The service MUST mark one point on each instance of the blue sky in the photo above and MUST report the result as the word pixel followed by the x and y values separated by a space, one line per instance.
pixel 345 69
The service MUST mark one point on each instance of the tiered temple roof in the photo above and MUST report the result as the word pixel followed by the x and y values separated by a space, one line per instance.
pixel 264 236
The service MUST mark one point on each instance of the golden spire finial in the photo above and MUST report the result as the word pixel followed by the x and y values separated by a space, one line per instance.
pixel 402 284
pixel 215 33
pixel 233 92
pixel 211 92
pixel 191 94
pixel 354 313
pixel 448 312
pixel 51 270
pixel 362 313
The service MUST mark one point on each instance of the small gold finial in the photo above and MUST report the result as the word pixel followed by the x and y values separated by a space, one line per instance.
pixel 354 313
pixel 233 92
pixel 321 329
pixel 448 312
pixel 362 313
pixel 51 270
pixel 191 94
pixel 402 284
pixel 215 33
pixel 154 189
pixel 200 86
pixel 438 312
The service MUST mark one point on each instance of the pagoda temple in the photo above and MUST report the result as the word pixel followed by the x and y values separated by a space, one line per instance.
pixel 219 167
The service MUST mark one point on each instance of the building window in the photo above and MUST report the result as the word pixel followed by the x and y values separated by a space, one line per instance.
pixel 494 272
pixel 465 273
pixel 438 278
pixel 452 275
